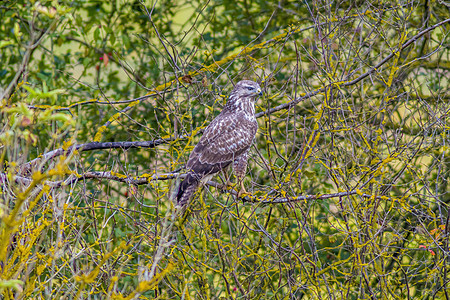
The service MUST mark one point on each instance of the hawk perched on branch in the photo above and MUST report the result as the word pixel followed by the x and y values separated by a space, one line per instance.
pixel 227 139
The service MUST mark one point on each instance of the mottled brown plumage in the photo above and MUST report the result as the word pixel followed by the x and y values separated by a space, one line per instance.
pixel 227 139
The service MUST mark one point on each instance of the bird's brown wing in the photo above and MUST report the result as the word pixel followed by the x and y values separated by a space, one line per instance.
pixel 225 139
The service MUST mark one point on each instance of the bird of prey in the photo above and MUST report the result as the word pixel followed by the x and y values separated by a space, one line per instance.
pixel 227 139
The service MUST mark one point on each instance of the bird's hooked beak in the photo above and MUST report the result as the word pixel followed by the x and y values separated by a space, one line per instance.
pixel 260 93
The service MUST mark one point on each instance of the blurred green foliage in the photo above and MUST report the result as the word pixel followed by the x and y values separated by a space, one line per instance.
pixel 73 72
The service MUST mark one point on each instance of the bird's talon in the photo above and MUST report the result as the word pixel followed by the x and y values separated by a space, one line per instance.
pixel 243 194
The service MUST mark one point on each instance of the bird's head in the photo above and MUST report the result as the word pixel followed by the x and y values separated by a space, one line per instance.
pixel 246 89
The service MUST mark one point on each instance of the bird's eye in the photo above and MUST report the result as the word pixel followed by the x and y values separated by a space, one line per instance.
pixel 250 88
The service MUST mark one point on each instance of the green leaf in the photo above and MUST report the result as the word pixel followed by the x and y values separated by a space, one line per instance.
pixel 97 34
pixel 12 283
pixel 5 43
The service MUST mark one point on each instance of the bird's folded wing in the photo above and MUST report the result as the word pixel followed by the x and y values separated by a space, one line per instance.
pixel 224 140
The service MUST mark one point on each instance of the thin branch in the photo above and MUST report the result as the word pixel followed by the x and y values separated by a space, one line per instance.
pixel 25 60
pixel 35 41
pixel 97 146
pixel 145 179
pixel 294 102
pixel 111 57
pixel 149 15
pixel 306 198
pixel 140 180
pixel 95 101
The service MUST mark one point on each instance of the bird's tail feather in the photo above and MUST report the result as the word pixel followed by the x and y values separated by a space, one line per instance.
pixel 187 188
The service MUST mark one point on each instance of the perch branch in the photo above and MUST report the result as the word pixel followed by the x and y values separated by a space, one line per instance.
pixel 144 179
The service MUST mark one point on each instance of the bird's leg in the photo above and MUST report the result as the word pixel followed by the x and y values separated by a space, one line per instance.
pixel 228 184
pixel 231 185
pixel 240 165
pixel 242 192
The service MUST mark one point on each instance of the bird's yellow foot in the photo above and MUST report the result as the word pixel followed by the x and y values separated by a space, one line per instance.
pixel 242 193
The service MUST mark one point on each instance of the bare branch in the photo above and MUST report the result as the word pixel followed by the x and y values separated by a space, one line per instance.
pixel 294 102
pixel 98 146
